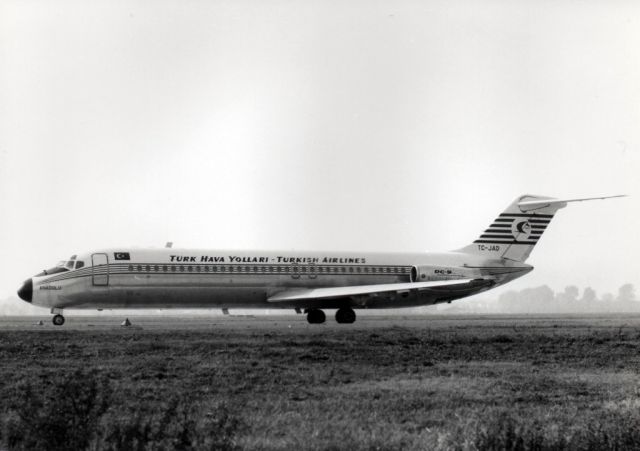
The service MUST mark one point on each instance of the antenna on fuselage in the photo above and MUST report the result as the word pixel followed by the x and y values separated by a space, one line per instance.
pixel 169 244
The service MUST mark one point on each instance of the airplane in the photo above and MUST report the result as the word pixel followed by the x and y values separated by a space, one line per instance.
pixel 308 282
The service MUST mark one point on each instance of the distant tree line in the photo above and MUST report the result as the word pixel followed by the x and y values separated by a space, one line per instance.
pixel 544 300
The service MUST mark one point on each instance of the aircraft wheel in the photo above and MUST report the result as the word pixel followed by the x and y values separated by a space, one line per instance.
pixel 316 316
pixel 345 316
pixel 58 320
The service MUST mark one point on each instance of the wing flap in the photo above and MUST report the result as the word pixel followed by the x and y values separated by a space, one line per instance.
pixel 299 294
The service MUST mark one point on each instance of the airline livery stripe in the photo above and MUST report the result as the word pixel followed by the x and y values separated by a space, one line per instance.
pixel 214 270
pixel 505 242
pixel 503 231
pixel 525 215
pixel 507 221
pixel 504 239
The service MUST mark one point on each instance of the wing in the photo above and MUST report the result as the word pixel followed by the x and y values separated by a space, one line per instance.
pixel 299 294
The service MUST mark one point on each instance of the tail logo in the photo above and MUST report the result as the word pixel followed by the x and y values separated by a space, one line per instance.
pixel 521 230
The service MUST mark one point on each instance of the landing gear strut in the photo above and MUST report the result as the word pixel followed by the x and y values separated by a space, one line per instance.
pixel 316 316
pixel 58 320
pixel 345 316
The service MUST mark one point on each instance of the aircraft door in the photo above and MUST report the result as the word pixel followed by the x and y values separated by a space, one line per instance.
pixel 100 274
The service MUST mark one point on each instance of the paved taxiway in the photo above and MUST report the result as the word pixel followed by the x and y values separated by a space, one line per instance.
pixel 299 323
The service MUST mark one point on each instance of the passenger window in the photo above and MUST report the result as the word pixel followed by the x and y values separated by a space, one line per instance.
pixel 130 267
pixel 155 268
pixel 164 268
pixel 350 268
pixel 148 268
pixel 173 268
pixel 359 269
pixel 181 268
pixel 343 269
pixel 190 268
pixel 139 267
pixel 79 264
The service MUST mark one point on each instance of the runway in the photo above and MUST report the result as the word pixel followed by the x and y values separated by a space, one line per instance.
pixel 299 323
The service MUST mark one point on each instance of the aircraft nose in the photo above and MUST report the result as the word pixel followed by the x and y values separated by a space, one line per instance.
pixel 26 290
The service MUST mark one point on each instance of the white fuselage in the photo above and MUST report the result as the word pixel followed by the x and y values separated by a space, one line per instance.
pixel 176 278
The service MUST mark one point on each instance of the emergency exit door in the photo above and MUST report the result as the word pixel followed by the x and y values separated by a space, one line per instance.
pixel 100 263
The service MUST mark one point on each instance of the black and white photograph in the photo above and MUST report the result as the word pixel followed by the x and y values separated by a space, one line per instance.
pixel 319 225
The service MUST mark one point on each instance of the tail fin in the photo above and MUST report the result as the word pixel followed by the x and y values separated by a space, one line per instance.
pixel 514 233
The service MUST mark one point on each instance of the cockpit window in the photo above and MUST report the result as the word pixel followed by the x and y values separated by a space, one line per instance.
pixel 62 266
pixel 79 264
pixel 54 270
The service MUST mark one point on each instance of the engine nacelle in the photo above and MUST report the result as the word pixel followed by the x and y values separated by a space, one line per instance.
pixel 428 273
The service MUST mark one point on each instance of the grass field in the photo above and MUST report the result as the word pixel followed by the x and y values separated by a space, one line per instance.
pixel 279 383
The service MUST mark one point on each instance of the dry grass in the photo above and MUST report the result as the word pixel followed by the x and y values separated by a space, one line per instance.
pixel 494 383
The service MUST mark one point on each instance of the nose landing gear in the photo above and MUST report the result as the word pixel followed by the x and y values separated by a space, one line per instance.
pixel 58 319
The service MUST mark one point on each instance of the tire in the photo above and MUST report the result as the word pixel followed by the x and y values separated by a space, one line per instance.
pixel 345 316
pixel 316 316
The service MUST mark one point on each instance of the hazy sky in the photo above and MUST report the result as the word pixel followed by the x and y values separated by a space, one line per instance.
pixel 319 125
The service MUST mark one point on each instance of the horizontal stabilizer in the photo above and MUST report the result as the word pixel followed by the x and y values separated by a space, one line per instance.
pixel 531 205
pixel 514 233
pixel 297 294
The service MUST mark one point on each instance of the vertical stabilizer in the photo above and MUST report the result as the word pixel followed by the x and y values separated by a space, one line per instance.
pixel 518 229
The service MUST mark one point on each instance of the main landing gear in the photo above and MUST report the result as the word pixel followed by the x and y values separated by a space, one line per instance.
pixel 316 316
pixel 343 316
pixel 58 319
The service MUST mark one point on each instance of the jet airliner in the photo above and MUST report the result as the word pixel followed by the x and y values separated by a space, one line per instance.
pixel 308 282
